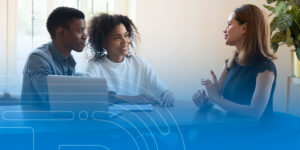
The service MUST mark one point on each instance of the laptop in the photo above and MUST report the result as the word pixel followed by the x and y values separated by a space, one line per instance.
pixel 85 97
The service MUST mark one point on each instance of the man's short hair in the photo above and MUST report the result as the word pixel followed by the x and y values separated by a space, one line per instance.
pixel 62 16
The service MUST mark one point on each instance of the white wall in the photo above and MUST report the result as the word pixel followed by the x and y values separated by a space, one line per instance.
pixel 183 40
pixel 3 42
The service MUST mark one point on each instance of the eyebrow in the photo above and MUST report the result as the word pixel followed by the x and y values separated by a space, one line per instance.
pixel 116 35
pixel 120 34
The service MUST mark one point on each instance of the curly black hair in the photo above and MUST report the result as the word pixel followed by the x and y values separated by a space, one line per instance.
pixel 62 16
pixel 100 26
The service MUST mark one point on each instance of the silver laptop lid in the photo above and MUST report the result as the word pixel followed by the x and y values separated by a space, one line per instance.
pixel 75 93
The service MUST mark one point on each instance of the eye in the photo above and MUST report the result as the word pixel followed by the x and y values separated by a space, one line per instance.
pixel 229 25
pixel 81 31
pixel 117 37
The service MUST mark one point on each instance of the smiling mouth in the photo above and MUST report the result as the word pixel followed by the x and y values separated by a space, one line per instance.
pixel 124 49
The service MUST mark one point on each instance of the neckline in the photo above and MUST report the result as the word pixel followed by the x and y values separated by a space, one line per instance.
pixel 107 60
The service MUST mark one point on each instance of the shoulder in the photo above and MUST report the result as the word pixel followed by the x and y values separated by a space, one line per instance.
pixel 95 61
pixel 136 60
pixel 139 63
pixel 40 55
pixel 42 52
pixel 96 64
pixel 266 78
pixel 266 64
pixel 39 60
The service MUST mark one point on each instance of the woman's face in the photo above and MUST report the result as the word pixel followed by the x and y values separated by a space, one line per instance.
pixel 117 42
pixel 234 32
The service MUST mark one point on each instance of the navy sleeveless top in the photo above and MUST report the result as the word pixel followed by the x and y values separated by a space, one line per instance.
pixel 240 82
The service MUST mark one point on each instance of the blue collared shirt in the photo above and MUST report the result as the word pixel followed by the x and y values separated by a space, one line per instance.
pixel 43 61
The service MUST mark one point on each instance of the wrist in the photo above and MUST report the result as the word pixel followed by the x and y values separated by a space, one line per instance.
pixel 209 102
pixel 217 100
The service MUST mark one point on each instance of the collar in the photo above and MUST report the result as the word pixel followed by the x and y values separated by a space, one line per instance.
pixel 58 57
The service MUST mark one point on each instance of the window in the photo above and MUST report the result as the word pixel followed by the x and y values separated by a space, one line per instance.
pixel 30 32
pixel 31 24
pixel 23 28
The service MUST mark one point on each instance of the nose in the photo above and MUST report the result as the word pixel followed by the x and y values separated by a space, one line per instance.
pixel 84 35
pixel 125 41
pixel 225 30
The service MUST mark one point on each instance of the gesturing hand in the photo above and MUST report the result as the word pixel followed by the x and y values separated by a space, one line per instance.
pixel 212 88
pixel 201 100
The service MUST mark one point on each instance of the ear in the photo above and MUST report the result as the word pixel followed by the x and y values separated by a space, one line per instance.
pixel 60 32
pixel 244 28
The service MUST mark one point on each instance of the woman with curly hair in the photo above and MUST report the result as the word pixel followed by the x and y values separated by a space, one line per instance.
pixel 248 79
pixel 129 78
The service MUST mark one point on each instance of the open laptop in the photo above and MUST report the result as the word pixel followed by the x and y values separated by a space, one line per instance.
pixel 84 96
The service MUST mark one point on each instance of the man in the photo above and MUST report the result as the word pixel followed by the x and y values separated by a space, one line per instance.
pixel 66 27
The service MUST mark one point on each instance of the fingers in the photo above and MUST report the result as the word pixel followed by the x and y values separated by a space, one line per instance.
pixel 163 101
pixel 214 77
pixel 207 83
pixel 167 99
pixel 197 102
pixel 172 100
pixel 201 102
pixel 196 95
pixel 203 93
pixel 203 81
pixel 200 98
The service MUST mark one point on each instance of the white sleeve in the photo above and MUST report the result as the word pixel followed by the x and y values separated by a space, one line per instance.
pixel 91 70
pixel 153 83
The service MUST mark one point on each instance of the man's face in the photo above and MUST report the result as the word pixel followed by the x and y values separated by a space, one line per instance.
pixel 75 35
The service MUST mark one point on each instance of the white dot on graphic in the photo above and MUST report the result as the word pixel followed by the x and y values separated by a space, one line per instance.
pixel 83 115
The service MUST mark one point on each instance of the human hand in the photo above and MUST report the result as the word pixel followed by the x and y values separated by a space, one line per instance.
pixel 167 99
pixel 212 88
pixel 201 100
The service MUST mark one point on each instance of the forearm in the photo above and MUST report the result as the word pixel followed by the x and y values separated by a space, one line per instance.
pixel 259 101
pixel 245 110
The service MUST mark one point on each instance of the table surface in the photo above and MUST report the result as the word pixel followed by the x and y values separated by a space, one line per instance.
pixel 136 130
pixel 185 115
